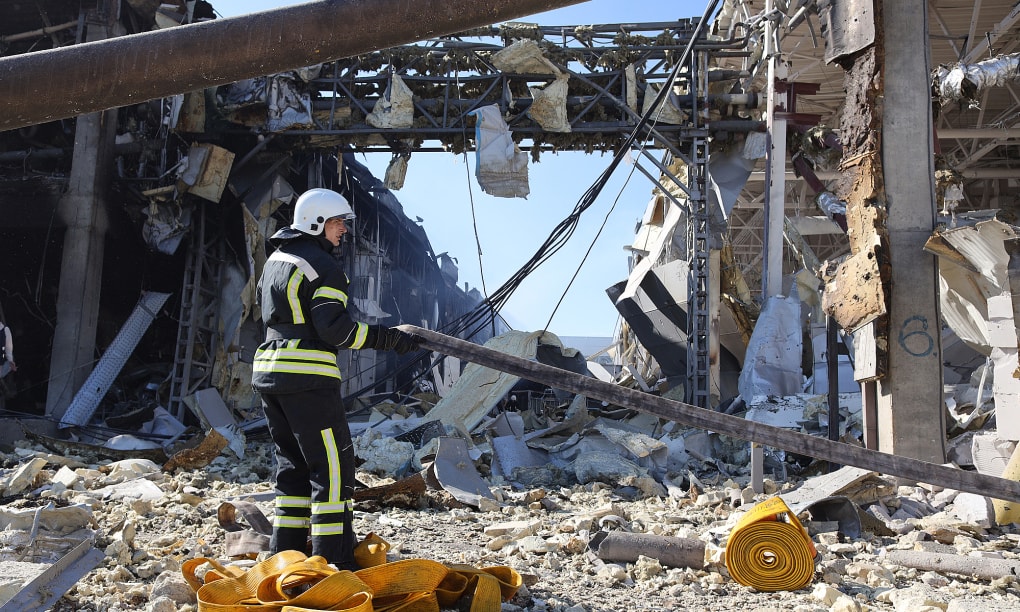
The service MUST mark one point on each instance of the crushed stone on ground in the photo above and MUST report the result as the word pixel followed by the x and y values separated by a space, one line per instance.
pixel 146 541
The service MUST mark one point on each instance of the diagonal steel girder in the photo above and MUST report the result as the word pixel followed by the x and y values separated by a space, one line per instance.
pixel 96 76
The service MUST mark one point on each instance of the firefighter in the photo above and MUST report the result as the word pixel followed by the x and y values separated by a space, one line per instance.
pixel 303 296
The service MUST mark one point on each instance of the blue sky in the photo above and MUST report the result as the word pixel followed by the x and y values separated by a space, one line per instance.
pixel 437 189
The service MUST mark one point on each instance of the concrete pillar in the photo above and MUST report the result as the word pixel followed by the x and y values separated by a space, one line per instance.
pixel 775 187
pixel 82 211
pixel 909 397
pixel 775 200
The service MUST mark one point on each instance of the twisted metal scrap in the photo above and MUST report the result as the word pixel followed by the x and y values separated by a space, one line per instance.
pixel 964 81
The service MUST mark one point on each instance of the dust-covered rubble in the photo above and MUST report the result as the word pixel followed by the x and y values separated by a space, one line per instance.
pixel 148 522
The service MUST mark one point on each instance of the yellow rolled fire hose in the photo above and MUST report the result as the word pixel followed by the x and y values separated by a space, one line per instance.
pixel 291 582
pixel 769 550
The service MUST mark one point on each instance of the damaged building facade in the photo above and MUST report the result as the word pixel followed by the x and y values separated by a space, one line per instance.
pixel 143 244
pixel 830 245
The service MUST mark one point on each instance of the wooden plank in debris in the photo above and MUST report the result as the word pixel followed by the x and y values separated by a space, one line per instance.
pixel 42 592
pixel 792 441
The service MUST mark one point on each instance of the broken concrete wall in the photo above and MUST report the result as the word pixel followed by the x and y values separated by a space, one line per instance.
pixel 856 294
pixel 976 272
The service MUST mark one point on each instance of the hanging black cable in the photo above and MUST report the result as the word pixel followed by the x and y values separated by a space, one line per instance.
pixel 473 322
pixel 478 318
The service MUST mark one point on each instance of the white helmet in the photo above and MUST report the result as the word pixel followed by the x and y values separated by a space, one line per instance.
pixel 315 206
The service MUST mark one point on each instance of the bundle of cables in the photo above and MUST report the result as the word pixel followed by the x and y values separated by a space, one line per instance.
pixel 483 315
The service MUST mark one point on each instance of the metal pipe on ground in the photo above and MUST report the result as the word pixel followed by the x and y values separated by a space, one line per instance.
pixel 125 70
pixel 669 550
pixel 965 565
pixel 736 427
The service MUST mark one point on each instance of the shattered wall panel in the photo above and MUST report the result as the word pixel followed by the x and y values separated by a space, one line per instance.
pixel 857 294
pixel 653 309
pixel 975 274
pixel 772 365
pixel 479 388
pixel 848 27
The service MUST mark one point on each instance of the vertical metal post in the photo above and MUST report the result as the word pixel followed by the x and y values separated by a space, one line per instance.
pixel 698 390
pixel 832 369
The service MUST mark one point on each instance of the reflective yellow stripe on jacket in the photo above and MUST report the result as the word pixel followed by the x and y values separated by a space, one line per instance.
pixel 331 293
pixel 297 315
pixel 292 360
pixel 360 336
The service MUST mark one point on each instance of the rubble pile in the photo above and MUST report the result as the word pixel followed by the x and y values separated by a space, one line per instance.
pixel 887 553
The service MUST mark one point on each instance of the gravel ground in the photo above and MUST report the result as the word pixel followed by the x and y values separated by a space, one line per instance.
pixel 146 541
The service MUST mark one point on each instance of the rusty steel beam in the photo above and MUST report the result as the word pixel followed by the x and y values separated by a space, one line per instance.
pixel 79 79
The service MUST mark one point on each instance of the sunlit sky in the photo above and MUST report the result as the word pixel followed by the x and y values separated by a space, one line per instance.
pixel 440 189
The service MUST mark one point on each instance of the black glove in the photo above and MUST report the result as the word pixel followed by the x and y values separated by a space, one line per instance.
pixel 392 339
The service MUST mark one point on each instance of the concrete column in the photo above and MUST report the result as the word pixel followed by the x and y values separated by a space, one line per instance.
pixel 775 187
pixel 909 398
pixel 775 200
pixel 82 211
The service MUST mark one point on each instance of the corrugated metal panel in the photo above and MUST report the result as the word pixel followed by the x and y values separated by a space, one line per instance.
pixel 98 383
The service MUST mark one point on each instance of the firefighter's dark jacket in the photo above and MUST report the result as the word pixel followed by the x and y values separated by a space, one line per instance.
pixel 304 293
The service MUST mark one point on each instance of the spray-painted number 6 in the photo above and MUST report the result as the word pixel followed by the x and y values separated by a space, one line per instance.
pixel 917 342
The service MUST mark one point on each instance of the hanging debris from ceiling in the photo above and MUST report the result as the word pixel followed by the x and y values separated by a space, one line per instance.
pixel 502 168
pixel 963 82
pixel 395 108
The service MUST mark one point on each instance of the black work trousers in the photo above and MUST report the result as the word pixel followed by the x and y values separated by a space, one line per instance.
pixel 314 474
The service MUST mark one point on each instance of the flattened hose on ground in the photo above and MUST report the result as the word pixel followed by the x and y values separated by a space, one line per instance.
pixel 769 550
pixel 291 582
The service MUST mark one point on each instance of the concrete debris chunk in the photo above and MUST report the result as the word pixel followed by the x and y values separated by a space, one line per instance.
pixel 383 455
pixel 130 469
pixel 513 528
pixel 23 477
pixel 975 509
pixel 138 489
pixel 64 520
